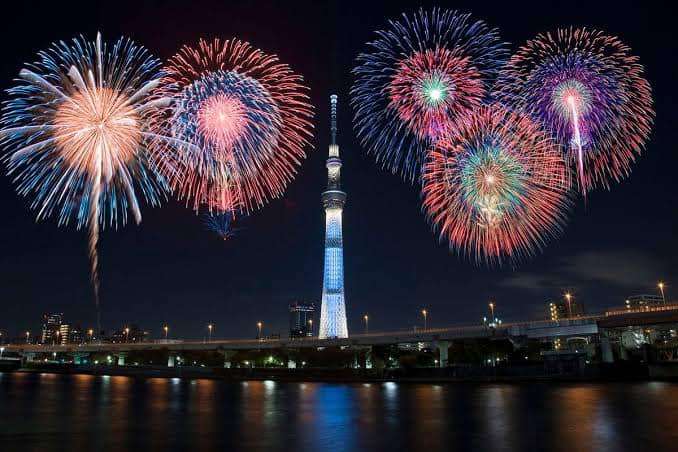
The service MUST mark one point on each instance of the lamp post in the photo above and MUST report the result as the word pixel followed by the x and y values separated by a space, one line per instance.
pixel 166 329
pixel 209 332
pixel 661 289
pixel 366 318
pixel 28 335
pixel 491 305
pixel 259 326
pixel 424 312
pixel 310 326
pixel 568 298
pixel 90 333
pixel 56 341
pixel 126 334
pixel 2 350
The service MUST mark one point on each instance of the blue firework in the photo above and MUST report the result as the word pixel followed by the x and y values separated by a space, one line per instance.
pixel 221 224
pixel 421 76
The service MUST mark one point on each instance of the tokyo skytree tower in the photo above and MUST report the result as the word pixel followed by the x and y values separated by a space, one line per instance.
pixel 333 311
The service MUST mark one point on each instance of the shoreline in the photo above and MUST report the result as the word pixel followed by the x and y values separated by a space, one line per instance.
pixel 341 376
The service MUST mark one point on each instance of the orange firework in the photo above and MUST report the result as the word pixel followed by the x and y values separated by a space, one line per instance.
pixel 76 135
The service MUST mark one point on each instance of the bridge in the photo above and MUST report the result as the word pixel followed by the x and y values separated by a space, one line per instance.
pixel 440 338
pixel 539 329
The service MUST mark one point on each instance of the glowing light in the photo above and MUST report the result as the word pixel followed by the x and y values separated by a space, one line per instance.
pixel 333 322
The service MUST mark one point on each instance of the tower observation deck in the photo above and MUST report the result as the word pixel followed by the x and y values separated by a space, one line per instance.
pixel 333 310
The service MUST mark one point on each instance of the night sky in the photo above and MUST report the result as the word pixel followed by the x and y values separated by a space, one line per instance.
pixel 170 269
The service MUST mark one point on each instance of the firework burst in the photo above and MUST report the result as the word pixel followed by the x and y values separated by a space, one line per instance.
pixel 422 75
pixel 242 120
pixel 76 139
pixel 221 224
pixel 590 92
pixel 495 187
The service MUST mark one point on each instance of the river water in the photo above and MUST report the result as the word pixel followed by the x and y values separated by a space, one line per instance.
pixel 48 412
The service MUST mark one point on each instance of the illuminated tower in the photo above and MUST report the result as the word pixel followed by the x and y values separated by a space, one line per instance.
pixel 333 311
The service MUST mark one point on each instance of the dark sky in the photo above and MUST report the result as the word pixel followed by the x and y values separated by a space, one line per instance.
pixel 169 269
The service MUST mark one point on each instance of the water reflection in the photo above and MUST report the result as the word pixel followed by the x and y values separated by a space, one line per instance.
pixel 59 412
pixel 333 422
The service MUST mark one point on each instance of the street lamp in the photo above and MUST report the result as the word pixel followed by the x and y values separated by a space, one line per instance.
pixel 126 334
pixel 424 312
pixel 492 320
pixel 57 337
pixel 2 350
pixel 166 329
pixel 310 326
pixel 366 318
pixel 90 333
pixel 661 289
pixel 568 297
pixel 209 331
pixel 28 335
pixel 259 325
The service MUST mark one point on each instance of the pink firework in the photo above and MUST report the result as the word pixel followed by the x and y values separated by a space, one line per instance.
pixel 239 121
pixel 222 120
pixel 495 187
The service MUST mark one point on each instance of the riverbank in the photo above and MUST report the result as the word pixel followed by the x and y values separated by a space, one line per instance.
pixel 418 375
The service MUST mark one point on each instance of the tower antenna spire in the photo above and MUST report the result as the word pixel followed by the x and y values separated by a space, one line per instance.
pixel 333 118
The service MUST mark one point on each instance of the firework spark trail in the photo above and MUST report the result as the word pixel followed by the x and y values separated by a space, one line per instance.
pixel 577 139
pixel 247 120
pixel 76 138
pixel 495 188
pixel 590 92
pixel 93 241
pixel 422 75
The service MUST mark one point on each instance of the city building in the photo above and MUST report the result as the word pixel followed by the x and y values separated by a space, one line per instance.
pixel 76 335
pixel 565 310
pixel 129 334
pixel 301 319
pixel 333 308
pixel 50 325
pixel 642 301
pixel 64 333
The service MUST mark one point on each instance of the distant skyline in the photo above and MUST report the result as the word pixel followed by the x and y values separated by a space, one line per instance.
pixel 170 269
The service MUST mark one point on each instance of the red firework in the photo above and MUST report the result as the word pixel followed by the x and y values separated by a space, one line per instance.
pixel 434 89
pixel 240 121
pixel 495 188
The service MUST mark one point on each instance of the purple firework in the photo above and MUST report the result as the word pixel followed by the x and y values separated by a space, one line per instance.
pixel 590 92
